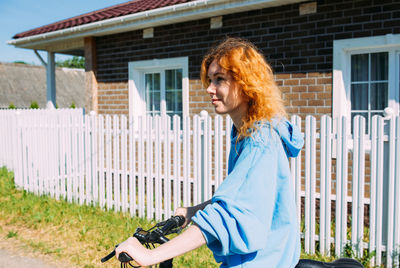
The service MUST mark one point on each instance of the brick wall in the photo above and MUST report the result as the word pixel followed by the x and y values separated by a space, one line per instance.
pixel 307 93
pixel 113 98
pixel 199 99
pixel 299 47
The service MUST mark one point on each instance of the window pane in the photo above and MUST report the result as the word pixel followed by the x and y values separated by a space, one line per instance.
pixel 156 101
pixel 156 81
pixel 148 82
pixel 170 99
pixel 152 85
pixel 179 79
pixel 169 79
pixel 359 97
pixel 379 96
pixel 359 67
pixel 178 101
pixel 173 91
pixel 379 66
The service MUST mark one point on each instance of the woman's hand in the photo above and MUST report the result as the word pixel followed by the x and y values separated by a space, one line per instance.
pixel 187 212
pixel 141 255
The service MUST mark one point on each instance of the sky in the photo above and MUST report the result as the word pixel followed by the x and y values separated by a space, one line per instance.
pixel 17 16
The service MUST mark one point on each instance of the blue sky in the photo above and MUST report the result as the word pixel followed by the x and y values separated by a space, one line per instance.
pixel 21 15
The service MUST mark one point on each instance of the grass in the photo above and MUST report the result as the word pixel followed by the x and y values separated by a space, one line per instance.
pixel 71 233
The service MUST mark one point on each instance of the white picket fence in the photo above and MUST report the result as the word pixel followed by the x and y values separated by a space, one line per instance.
pixel 152 168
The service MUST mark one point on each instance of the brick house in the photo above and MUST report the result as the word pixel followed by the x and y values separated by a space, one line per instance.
pixel 338 57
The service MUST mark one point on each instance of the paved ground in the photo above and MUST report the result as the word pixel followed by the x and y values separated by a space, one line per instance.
pixel 9 259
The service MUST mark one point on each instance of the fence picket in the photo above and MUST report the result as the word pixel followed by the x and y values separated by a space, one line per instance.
pixel 149 168
pixel 196 159
pixel 116 164
pixel 396 201
pixel 16 147
pixel 86 161
pixel 176 158
pixel 379 191
pixel 141 166
pixel 132 168
pixel 108 164
pixel 124 178
pixel 95 160
pixel 158 157
pixel 102 187
pixel 295 166
pixel 325 186
pixel 310 185
pixel 75 158
pixel 390 195
pixel 186 162
pixel 357 227
pixel 344 185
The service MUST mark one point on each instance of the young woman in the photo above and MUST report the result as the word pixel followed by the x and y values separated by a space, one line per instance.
pixel 251 220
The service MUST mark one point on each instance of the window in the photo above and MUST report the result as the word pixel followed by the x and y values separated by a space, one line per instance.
pixel 365 77
pixel 369 84
pixel 159 87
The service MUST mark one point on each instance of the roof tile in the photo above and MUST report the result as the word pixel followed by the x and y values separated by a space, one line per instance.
pixel 123 9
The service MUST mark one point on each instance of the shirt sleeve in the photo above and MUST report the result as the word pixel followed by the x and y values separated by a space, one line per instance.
pixel 240 216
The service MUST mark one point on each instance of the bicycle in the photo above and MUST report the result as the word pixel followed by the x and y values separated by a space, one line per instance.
pixel 157 235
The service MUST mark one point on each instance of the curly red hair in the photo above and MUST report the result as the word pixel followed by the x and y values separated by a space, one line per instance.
pixel 251 71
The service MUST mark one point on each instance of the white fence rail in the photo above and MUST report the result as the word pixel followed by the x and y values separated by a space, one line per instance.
pixel 149 170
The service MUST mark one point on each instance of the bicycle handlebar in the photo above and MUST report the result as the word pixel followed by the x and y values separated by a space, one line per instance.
pixel 158 235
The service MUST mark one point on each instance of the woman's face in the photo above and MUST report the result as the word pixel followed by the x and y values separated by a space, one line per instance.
pixel 226 94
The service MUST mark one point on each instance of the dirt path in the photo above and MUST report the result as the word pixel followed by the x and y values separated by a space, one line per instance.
pixel 14 253
pixel 9 259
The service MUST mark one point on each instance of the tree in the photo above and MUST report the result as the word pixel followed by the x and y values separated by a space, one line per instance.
pixel 75 62
pixel 20 62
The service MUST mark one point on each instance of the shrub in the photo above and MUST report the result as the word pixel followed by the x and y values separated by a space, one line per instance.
pixel 34 105
pixel 12 106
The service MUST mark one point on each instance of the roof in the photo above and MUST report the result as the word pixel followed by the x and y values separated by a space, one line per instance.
pixel 23 83
pixel 67 36
pixel 123 9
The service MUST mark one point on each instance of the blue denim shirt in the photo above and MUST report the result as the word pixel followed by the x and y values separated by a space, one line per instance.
pixel 252 219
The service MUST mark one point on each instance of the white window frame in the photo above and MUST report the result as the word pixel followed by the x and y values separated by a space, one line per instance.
pixel 342 51
pixel 136 83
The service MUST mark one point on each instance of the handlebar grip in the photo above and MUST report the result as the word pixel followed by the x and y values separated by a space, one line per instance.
pixel 124 257
pixel 172 223
pixel 109 256
pixel 180 219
